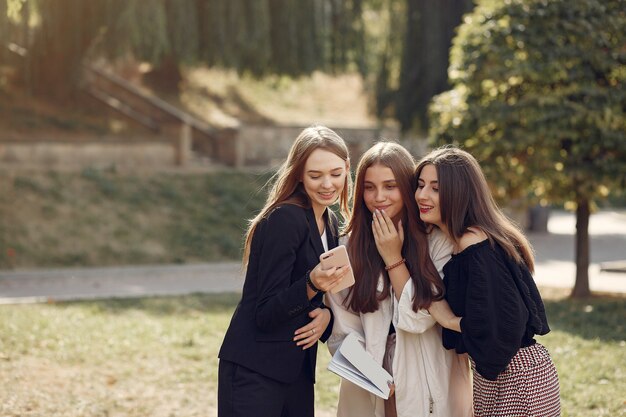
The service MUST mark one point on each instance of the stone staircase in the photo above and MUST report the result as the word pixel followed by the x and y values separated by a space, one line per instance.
pixel 192 138
pixel 189 134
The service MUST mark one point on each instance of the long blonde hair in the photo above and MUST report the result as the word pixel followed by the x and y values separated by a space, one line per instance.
pixel 466 201
pixel 287 186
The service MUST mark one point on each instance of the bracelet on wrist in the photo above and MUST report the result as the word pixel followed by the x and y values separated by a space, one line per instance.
pixel 390 267
pixel 310 283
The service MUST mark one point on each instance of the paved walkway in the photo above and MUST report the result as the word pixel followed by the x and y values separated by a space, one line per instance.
pixel 554 252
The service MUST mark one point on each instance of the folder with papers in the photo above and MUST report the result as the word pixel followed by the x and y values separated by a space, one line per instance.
pixel 352 362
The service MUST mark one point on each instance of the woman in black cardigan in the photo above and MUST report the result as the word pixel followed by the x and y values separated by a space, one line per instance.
pixel 267 359
pixel 496 309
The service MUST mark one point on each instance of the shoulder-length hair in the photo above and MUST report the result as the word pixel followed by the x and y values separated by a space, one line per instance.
pixel 465 201
pixel 287 185
pixel 367 264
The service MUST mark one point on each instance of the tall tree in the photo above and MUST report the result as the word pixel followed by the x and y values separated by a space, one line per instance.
pixel 388 57
pixel 429 31
pixel 62 39
pixel 266 36
pixel 4 28
pixel 161 32
pixel 539 98
pixel 284 35
pixel 4 21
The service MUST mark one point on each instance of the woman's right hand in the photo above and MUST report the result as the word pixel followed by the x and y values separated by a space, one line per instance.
pixel 326 280
pixel 387 237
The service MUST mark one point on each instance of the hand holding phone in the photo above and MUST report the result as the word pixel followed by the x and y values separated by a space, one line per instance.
pixel 338 257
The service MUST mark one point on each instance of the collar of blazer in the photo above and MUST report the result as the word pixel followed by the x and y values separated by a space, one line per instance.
pixel 314 234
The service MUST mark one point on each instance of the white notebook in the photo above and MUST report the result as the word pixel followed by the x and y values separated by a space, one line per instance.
pixel 352 362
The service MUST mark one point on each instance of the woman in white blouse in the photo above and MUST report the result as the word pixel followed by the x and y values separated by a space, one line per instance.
pixel 396 264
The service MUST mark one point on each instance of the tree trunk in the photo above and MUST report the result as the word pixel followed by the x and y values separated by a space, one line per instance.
pixel 52 72
pixel 425 57
pixel 166 77
pixel 581 287
pixel 67 30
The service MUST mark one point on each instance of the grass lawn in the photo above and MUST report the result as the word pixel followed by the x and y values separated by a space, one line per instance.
pixel 157 357
pixel 104 217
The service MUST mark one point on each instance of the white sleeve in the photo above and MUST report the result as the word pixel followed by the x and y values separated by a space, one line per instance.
pixel 440 248
pixel 404 318
pixel 345 320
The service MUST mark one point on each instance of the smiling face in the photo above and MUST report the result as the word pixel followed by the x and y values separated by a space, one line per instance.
pixel 324 178
pixel 427 196
pixel 381 191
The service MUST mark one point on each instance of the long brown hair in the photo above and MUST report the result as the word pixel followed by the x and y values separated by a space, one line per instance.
pixel 287 186
pixel 367 264
pixel 465 201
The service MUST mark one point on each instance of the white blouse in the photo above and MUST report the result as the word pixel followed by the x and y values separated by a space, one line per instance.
pixel 422 367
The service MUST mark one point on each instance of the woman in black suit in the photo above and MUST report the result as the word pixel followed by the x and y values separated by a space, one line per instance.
pixel 267 359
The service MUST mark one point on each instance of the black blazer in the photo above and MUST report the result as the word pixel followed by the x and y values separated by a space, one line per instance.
pixel 286 244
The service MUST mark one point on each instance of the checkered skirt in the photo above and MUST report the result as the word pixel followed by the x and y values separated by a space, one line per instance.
pixel 528 387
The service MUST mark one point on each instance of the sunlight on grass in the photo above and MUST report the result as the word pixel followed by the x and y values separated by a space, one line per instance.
pixel 225 98
pixel 158 357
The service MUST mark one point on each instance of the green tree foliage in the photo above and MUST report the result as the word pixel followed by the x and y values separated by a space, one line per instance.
pixel 430 29
pixel 235 34
pixel 284 35
pixel 538 97
pixel 141 27
pixel 4 21
pixel 413 65
pixel 162 32
pixel 4 24
pixel 60 42
pixel 388 62
pixel 259 37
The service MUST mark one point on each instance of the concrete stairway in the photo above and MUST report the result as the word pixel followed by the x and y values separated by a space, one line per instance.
pixel 189 134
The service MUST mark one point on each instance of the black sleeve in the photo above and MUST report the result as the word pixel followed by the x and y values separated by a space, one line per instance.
pixel 329 328
pixel 537 320
pixel 278 299
pixel 495 315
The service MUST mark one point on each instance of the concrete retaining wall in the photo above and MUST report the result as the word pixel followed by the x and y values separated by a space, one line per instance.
pixel 89 154
pixel 250 145
pixel 269 145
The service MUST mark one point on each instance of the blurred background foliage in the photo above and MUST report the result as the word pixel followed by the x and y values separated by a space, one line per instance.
pixel 400 46
pixel 538 90
pixel 533 88
pixel 538 96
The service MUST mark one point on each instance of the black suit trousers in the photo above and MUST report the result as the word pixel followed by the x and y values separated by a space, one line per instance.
pixel 244 393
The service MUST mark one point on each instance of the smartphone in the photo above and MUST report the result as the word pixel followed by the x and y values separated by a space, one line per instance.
pixel 338 257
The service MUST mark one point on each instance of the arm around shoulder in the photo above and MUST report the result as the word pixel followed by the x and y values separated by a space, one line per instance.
pixel 405 318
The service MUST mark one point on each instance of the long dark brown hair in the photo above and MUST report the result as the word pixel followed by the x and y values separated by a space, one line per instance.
pixel 287 186
pixel 465 201
pixel 367 264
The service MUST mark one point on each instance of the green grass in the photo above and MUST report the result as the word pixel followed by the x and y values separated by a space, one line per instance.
pixel 102 217
pixel 588 344
pixel 157 357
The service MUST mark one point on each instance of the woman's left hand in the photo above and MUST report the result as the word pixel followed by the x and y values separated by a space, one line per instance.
pixel 443 314
pixel 307 336
pixel 388 239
